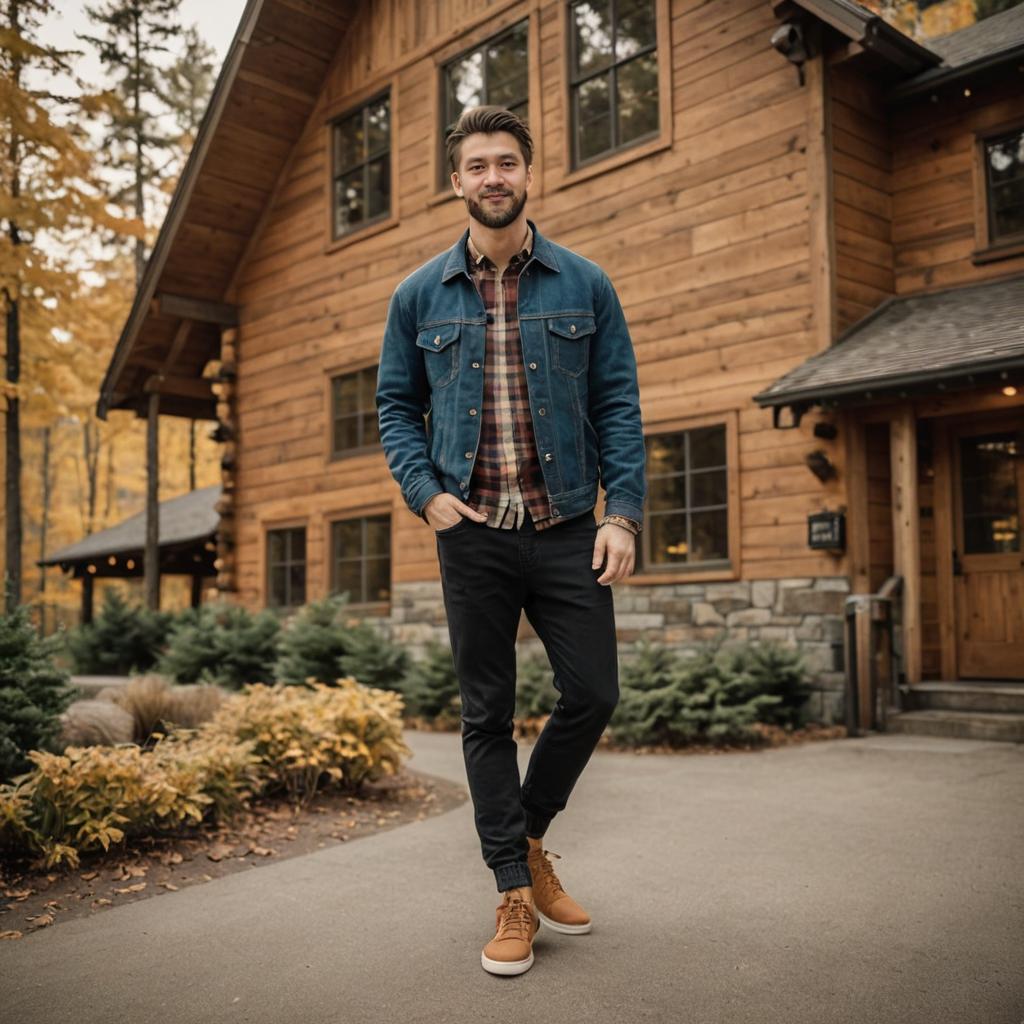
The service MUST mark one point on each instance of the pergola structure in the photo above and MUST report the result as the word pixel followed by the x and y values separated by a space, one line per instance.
pixel 188 546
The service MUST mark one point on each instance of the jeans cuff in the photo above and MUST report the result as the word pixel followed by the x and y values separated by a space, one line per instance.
pixel 512 876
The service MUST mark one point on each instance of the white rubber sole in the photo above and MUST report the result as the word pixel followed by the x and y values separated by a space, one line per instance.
pixel 565 929
pixel 506 966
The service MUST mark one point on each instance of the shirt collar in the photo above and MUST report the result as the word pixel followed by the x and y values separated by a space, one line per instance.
pixel 476 258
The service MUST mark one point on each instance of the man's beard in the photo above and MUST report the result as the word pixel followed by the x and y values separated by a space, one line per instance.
pixel 499 218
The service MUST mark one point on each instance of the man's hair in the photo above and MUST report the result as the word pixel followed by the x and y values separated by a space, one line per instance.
pixel 487 120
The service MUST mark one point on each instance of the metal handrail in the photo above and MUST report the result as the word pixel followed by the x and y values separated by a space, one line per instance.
pixel 866 615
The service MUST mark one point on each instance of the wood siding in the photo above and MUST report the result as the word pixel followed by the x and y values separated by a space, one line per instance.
pixel 705 238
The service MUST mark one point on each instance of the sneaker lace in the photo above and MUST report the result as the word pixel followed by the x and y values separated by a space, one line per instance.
pixel 516 918
pixel 544 876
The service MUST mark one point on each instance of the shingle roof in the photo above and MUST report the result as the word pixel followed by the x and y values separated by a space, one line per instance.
pixel 190 516
pixel 914 340
pixel 1002 31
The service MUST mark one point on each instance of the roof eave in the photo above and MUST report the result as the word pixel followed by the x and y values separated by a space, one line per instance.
pixel 943 76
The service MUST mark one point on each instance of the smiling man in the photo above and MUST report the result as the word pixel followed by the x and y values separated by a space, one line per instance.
pixel 518 350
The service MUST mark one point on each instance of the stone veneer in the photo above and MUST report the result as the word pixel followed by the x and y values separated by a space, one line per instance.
pixel 799 612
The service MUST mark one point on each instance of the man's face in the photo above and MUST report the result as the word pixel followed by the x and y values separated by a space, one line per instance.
pixel 492 178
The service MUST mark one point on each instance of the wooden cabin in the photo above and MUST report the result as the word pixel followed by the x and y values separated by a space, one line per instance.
pixel 815 227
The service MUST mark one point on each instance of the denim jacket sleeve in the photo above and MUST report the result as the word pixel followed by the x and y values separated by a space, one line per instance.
pixel 403 396
pixel 614 408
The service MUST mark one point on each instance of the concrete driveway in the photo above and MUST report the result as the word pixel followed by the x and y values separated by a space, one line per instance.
pixel 876 881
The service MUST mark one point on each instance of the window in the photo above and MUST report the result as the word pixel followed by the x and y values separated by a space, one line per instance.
pixel 361 166
pixel 361 558
pixel 687 517
pixel 493 73
pixel 1004 183
pixel 613 87
pixel 354 411
pixel 286 567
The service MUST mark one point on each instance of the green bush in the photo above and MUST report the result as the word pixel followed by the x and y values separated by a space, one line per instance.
pixel 719 695
pixel 314 642
pixel 223 644
pixel 373 659
pixel 432 688
pixel 535 687
pixel 33 692
pixel 121 640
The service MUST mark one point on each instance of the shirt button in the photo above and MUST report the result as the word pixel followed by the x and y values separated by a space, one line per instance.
pixel 472 412
pixel 572 328
pixel 533 366
pixel 469 455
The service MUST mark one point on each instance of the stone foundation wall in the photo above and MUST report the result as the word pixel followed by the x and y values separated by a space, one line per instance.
pixel 799 612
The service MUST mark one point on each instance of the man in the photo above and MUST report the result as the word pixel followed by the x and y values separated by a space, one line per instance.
pixel 518 350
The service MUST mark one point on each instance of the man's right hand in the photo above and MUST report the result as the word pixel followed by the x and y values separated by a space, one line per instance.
pixel 444 510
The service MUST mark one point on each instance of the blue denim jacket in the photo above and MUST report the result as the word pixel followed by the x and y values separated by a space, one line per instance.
pixel 581 378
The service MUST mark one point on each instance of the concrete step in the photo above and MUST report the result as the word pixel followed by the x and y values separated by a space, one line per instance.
pixel 970 725
pixel 962 696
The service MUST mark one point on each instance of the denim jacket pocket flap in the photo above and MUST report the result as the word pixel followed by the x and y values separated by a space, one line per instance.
pixel 437 339
pixel 571 327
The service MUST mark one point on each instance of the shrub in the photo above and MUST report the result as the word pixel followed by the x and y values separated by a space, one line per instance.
pixel 373 659
pixel 154 705
pixel 535 688
pixel 95 722
pixel 122 639
pixel 223 644
pixel 315 641
pixel 432 688
pixel 33 692
pixel 351 733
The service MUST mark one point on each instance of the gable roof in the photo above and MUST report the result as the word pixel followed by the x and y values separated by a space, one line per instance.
pixel 189 517
pixel 1000 32
pixel 266 90
pixel 913 341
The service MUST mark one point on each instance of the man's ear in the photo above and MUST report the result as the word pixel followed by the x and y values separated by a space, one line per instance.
pixel 456 184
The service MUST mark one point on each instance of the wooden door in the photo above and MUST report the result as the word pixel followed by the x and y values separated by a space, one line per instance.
pixel 988 560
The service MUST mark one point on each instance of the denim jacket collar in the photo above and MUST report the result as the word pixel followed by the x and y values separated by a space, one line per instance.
pixel 456 262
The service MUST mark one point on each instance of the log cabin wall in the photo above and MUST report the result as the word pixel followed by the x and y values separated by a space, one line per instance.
pixel 705 235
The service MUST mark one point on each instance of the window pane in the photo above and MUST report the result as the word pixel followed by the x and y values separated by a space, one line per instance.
pixel 278 582
pixel 668 538
pixel 637 84
pixel 989 493
pixel 666 453
pixel 707 447
pixel 378 535
pixel 379 198
pixel 297 584
pixel 709 536
pixel 593 118
pixel 667 492
pixel 371 428
pixel 1007 202
pixel 465 84
pixel 506 68
pixel 346 392
pixel 348 201
pixel 347 538
pixel 635 27
pixel 368 388
pixel 593 28
pixel 1005 159
pixel 297 544
pixel 348 575
pixel 275 547
pixel 348 143
pixel 346 433
pixel 378 579
pixel 378 123
pixel 708 488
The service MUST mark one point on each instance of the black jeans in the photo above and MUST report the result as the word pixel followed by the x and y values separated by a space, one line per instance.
pixel 489 576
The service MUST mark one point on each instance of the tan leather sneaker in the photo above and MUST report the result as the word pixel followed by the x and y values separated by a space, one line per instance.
pixel 511 949
pixel 555 907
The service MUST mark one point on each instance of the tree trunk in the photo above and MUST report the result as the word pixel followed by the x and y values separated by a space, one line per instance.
pixel 152 557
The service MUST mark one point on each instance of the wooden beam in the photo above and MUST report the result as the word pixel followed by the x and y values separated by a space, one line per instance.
pixel 944 544
pixel 151 556
pixel 820 197
pixel 906 535
pixel 182 387
pixel 858 517
pixel 188 308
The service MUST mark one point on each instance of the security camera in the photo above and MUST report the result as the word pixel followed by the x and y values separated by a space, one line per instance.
pixel 789 40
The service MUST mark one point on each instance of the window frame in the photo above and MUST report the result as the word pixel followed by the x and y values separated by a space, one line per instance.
pixel 339 112
pixel 502 21
pixel 377 608
pixel 339 455
pixel 570 172
pixel 728 568
pixel 269 528
pixel 988 249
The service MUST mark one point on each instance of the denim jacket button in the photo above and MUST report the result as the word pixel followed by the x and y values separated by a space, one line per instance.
pixel 572 328
pixel 533 366
pixel 437 340
pixel 555 513
pixel 542 411
pixel 476 366
pixel 472 412
pixel 469 455
pixel 548 457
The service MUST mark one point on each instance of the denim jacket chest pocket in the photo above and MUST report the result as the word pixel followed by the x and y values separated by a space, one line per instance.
pixel 569 338
pixel 439 345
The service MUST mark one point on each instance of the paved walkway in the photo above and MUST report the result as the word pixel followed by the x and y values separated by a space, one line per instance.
pixel 875 881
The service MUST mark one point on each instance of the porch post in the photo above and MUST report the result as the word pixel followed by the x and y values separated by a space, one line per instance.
pixel 151 559
pixel 906 535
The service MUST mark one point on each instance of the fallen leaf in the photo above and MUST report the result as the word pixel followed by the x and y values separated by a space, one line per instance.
pixel 42 920
pixel 89 876
pixel 137 870
pixel 218 851
pixel 18 894
pixel 10 935
pixel 137 887
pixel 101 901
pixel 168 885
pixel 261 851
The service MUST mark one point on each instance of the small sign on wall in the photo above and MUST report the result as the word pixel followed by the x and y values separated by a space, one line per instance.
pixel 826 531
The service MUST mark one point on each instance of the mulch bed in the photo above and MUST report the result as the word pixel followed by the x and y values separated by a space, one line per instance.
pixel 269 831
